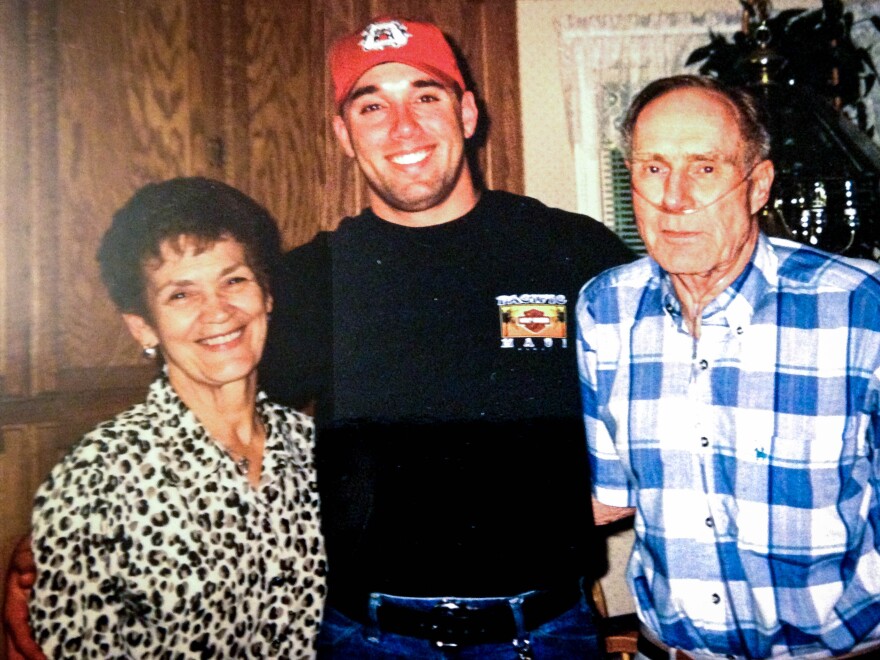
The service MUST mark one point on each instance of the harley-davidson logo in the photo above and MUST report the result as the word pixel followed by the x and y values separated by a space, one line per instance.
pixel 533 316
pixel 534 320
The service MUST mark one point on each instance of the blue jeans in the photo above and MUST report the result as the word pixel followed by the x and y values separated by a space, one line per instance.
pixel 570 636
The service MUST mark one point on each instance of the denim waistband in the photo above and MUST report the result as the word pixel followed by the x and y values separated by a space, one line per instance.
pixel 451 621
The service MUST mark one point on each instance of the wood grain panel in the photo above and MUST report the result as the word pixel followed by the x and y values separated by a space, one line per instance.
pixel 345 188
pixel 28 454
pixel 75 412
pixel 206 92
pixel 284 102
pixel 234 106
pixel 502 157
pixel 15 228
pixel 42 195
pixel 124 121
pixel 156 86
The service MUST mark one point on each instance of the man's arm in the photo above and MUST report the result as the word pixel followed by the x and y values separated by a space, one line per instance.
pixel 20 643
pixel 296 360
pixel 603 514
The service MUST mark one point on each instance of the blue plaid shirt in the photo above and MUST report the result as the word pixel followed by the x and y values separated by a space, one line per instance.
pixel 752 455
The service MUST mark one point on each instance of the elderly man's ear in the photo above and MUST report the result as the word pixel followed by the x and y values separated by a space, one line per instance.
pixel 762 180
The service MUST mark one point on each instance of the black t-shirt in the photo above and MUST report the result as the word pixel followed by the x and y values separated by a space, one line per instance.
pixel 451 452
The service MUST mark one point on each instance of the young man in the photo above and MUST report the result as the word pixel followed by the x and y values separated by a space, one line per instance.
pixel 434 332
pixel 730 388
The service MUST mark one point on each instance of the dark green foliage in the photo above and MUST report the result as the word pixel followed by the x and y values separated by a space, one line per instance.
pixel 815 48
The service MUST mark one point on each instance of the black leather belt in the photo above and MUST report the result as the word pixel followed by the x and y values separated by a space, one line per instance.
pixel 458 622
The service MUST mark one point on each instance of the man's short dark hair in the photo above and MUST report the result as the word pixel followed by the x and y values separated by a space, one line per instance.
pixel 192 208
pixel 750 115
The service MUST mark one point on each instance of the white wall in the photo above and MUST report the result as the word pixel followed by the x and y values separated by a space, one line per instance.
pixel 549 165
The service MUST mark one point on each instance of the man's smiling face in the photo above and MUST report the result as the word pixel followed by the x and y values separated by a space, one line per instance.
pixel 407 131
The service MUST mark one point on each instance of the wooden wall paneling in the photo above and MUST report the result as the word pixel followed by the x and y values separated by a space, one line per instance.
pixel 15 228
pixel 233 105
pixel 41 215
pixel 345 189
pixel 285 100
pixel 123 122
pixel 153 79
pixel 323 141
pixel 27 193
pixel 31 451
pixel 28 453
pixel 503 153
pixel 211 153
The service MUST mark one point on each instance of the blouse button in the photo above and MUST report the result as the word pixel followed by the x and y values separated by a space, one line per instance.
pixel 704 442
pixel 710 522
pixel 716 599
pixel 704 365
pixel 739 330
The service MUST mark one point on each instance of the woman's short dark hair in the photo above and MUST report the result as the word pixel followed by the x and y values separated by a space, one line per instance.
pixel 195 208
pixel 750 115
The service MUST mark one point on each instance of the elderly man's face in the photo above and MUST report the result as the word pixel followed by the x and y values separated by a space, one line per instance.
pixel 694 195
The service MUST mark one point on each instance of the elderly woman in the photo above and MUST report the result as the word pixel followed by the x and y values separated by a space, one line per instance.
pixel 188 525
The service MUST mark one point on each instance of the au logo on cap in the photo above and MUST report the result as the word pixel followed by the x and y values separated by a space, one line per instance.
pixel 379 36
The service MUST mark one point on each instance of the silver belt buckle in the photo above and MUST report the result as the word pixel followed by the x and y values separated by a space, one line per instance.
pixel 447 609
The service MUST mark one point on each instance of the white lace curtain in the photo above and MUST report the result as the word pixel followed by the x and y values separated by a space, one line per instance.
pixel 605 60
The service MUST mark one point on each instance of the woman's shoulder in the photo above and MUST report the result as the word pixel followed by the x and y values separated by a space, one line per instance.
pixel 296 429
pixel 130 430
pixel 283 413
pixel 110 449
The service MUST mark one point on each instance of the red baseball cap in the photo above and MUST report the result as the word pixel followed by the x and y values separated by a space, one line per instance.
pixel 388 39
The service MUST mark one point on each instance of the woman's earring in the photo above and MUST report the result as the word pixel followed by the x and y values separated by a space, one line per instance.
pixel 150 352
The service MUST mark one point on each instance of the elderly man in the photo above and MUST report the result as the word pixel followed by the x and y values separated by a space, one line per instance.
pixel 730 389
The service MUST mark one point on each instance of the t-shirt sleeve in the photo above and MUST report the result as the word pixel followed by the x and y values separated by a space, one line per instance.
pixel 295 365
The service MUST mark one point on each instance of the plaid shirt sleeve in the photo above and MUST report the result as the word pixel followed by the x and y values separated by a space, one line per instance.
pixel 597 321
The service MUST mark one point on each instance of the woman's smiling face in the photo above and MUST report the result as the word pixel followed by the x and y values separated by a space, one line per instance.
pixel 209 314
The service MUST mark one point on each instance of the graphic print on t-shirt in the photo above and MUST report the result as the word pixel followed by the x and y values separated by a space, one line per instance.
pixel 533 321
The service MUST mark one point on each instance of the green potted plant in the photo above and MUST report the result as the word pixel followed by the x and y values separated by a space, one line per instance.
pixel 812 49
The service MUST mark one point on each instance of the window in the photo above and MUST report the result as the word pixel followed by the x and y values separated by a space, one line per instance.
pixel 605 61
pixel 616 198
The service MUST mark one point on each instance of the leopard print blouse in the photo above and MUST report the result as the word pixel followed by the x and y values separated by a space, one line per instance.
pixel 150 544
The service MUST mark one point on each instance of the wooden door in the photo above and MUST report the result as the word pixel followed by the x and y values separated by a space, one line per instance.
pixel 98 97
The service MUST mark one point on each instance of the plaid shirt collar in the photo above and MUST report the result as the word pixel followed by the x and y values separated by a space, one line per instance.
pixel 735 305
